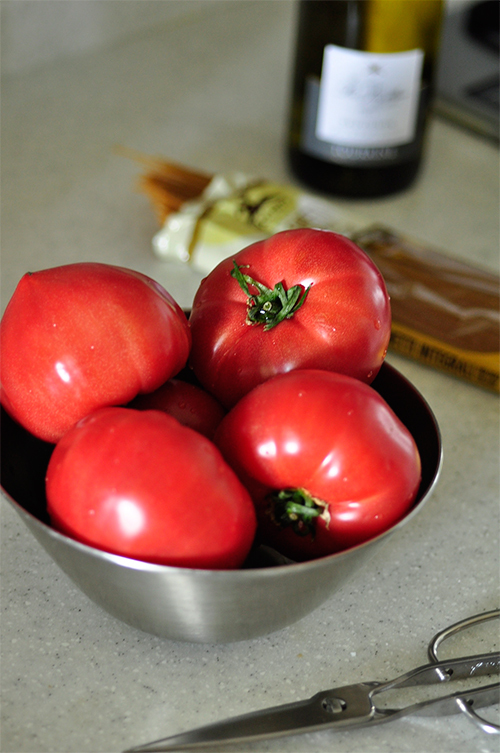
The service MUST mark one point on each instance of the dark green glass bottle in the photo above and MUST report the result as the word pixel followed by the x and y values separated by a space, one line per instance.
pixel 361 93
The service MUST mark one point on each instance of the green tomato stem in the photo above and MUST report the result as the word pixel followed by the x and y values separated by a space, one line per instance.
pixel 298 509
pixel 269 307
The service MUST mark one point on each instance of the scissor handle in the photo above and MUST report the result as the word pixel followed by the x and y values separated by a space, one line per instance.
pixel 483 724
pixel 489 727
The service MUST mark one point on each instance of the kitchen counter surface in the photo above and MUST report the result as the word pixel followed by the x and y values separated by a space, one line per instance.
pixel 210 90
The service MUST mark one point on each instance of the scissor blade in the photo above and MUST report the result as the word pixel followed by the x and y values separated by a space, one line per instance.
pixel 261 724
pixel 323 709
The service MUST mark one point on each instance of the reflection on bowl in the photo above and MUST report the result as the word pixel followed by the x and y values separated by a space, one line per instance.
pixel 203 605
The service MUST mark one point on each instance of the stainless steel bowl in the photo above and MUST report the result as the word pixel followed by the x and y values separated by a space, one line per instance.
pixel 208 606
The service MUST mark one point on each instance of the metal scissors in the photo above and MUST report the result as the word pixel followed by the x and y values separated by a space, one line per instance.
pixel 356 705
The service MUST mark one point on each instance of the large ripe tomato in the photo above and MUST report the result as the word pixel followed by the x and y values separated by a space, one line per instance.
pixel 81 336
pixel 328 463
pixel 139 484
pixel 188 403
pixel 300 299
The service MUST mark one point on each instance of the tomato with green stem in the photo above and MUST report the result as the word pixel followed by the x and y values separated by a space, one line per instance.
pixel 327 462
pixel 300 299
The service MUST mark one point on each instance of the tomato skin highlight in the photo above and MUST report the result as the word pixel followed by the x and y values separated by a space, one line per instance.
pixel 189 404
pixel 343 324
pixel 332 436
pixel 141 485
pixel 82 336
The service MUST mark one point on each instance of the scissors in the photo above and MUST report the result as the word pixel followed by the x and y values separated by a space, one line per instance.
pixel 352 706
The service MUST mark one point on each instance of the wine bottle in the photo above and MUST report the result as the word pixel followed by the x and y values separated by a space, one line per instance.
pixel 361 93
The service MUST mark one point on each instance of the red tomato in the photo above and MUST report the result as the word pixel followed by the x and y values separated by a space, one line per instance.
pixel 186 402
pixel 327 462
pixel 82 336
pixel 301 299
pixel 141 485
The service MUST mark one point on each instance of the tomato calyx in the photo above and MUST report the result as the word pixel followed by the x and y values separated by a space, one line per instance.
pixel 298 509
pixel 269 307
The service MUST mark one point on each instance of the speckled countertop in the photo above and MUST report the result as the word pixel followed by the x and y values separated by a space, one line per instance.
pixel 210 90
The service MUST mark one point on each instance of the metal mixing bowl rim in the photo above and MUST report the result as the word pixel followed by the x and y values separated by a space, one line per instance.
pixel 244 573
pixel 241 573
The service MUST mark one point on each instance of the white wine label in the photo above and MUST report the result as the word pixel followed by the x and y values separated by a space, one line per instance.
pixel 368 100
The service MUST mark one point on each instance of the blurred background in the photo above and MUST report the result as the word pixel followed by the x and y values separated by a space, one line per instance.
pixel 206 84
pixel 35 32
